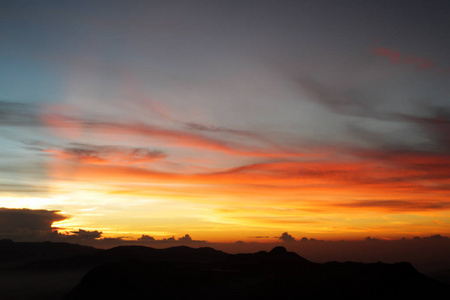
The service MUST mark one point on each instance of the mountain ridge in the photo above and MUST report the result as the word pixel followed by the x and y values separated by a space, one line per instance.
pixel 140 271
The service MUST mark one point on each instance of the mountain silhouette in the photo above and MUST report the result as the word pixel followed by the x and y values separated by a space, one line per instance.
pixel 17 253
pixel 278 274
pixel 178 253
pixel 70 272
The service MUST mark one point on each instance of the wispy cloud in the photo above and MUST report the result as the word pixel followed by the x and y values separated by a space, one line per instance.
pixel 182 135
pixel 381 173
pixel 113 155
pixel 22 188
pixel 436 122
pixel 397 205
pixel 18 114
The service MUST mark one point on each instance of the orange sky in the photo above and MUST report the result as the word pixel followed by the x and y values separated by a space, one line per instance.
pixel 326 193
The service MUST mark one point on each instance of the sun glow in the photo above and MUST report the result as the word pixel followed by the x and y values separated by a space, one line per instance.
pixel 31 202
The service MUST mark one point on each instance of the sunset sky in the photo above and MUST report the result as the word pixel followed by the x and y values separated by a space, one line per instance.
pixel 228 120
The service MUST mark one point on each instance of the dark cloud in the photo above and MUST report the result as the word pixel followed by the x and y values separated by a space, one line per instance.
pixel 87 235
pixel 12 219
pixel 201 127
pixel 146 238
pixel 19 114
pixel 36 225
pixel 185 238
pixel 397 205
pixel 437 237
pixel 286 237
pixel 28 224
pixel 106 154
pixel 171 239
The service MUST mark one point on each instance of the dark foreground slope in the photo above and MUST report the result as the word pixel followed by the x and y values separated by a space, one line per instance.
pixel 25 273
pixel 264 275
pixel 15 254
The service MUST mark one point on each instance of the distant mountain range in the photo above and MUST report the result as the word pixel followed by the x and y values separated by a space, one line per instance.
pixel 138 272
pixel 12 253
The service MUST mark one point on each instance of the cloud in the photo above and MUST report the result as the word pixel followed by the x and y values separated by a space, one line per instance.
pixel 57 119
pixel 13 219
pixel 434 119
pixel 397 205
pixel 413 164
pixel 146 238
pixel 61 121
pixel 190 135
pixel 436 123
pixel 149 240
pixel 95 238
pixel 201 127
pixel 113 155
pixel 181 138
pixel 18 114
pixel 171 136
pixel 286 237
pixel 28 224
pixel 35 225
pixel 348 102
pixel 436 237
pixel 421 63
pixel 371 167
pixel 87 235
pixel 352 102
pixel 385 173
pixel 185 238
pixel 229 131
pixel 22 188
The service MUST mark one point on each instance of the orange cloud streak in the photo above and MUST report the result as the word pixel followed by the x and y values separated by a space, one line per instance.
pixel 70 127
pixel 389 186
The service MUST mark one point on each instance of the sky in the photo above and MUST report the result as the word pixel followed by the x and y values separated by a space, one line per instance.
pixel 226 121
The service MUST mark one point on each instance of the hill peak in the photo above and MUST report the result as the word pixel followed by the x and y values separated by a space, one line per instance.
pixel 278 250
